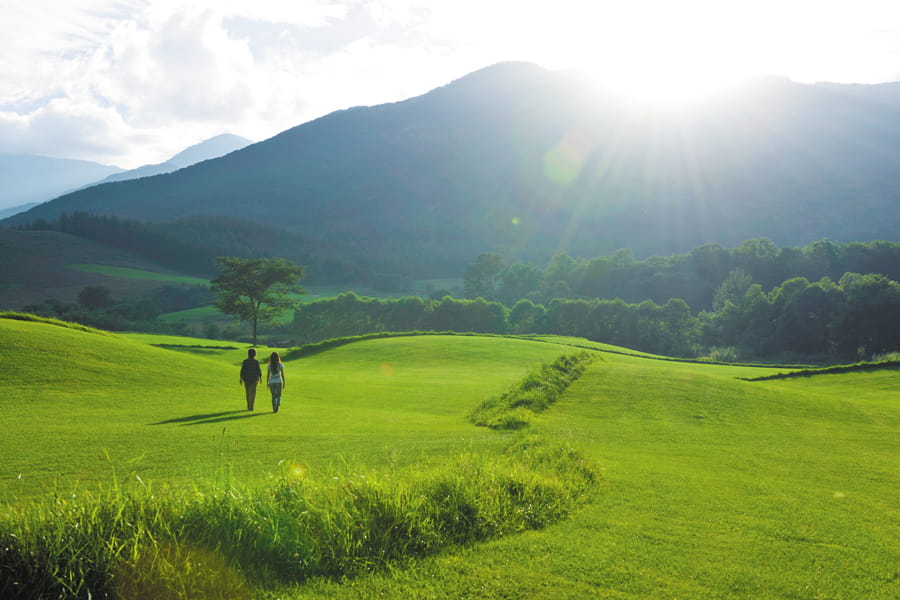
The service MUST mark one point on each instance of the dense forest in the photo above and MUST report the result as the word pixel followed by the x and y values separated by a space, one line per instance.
pixel 855 318
pixel 826 301
pixel 668 329
pixel 694 277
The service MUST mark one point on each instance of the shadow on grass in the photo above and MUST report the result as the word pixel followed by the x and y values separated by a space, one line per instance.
pixel 218 417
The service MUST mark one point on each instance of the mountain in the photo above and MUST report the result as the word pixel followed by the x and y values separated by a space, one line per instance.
pixel 14 210
pixel 529 162
pixel 26 178
pixel 214 147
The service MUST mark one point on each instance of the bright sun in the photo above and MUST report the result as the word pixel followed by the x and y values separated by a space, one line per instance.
pixel 665 53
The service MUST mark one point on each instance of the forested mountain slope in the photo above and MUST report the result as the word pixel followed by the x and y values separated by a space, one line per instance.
pixel 530 162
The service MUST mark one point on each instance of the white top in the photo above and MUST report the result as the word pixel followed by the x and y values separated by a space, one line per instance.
pixel 275 377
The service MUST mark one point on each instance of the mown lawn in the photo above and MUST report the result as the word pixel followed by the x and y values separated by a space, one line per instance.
pixel 714 488
pixel 80 408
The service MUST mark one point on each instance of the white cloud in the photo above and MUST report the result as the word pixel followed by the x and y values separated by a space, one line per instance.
pixel 307 13
pixel 76 129
pixel 134 81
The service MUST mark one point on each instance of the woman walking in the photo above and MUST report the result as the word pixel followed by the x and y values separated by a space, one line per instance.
pixel 275 379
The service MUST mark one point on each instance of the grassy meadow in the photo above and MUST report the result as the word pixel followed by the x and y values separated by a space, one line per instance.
pixel 710 486
pixel 89 406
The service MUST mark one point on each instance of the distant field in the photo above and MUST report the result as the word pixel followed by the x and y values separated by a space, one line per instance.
pixel 129 273
pixel 713 487
pixel 36 268
pixel 190 315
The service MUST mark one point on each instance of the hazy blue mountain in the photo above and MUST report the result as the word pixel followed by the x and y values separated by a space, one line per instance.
pixel 529 162
pixel 887 94
pixel 214 147
pixel 14 210
pixel 27 178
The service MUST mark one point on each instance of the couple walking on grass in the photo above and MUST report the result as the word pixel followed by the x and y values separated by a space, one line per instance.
pixel 251 375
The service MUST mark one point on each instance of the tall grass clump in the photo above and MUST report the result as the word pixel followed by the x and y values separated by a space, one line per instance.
pixel 225 541
pixel 515 408
pixel 723 354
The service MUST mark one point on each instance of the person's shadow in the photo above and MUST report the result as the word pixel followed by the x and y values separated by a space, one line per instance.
pixel 207 418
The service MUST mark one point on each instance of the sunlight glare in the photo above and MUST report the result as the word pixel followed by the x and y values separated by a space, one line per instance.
pixel 661 53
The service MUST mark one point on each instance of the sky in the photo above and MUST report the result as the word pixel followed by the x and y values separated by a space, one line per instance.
pixel 133 82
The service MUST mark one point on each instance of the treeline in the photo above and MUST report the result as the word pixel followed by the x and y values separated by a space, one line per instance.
pixel 857 317
pixel 694 277
pixel 669 329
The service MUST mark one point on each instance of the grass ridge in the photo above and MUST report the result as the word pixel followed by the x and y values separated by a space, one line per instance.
pixel 317 347
pixel 854 368
pixel 515 408
pixel 21 316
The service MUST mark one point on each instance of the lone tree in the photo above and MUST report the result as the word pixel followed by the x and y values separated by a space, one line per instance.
pixel 255 289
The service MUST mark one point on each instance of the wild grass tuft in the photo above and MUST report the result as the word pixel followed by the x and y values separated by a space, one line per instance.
pixel 723 354
pixel 221 542
pixel 514 409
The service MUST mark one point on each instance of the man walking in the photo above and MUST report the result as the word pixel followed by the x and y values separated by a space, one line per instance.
pixel 251 375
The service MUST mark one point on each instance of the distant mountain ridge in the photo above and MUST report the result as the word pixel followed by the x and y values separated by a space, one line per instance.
pixel 214 147
pixel 27 178
pixel 529 162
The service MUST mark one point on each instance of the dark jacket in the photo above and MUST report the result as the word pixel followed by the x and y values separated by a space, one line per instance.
pixel 250 370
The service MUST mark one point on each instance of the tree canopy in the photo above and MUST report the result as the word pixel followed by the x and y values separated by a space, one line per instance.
pixel 256 289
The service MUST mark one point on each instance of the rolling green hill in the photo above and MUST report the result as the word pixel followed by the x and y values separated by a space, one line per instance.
pixel 88 406
pixel 713 486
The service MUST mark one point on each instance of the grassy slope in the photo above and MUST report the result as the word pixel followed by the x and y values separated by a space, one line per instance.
pixel 72 398
pixel 715 488
pixel 36 267
pixel 131 273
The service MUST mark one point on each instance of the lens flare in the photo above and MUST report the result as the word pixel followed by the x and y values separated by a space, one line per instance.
pixel 563 162
pixel 297 471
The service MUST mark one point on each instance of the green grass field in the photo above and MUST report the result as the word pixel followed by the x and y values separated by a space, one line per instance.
pixel 713 487
pixel 178 415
